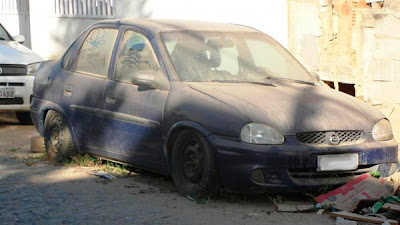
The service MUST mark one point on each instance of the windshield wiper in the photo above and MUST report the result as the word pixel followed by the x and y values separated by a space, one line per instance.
pixel 291 80
pixel 243 81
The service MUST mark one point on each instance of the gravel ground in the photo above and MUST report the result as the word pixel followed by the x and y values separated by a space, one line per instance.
pixel 37 192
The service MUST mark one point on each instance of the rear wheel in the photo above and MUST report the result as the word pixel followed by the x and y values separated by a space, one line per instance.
pixel 57 138
pixel 193 166
pixel 24 118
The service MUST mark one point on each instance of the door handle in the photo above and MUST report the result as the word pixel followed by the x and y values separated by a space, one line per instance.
pixel 110 98
pixel 68 91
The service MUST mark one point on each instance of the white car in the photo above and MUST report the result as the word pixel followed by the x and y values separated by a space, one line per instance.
pixel 18 66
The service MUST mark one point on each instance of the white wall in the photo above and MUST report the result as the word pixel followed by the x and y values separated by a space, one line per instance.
pixel 268 16
pixel 51 34
pixel 14 16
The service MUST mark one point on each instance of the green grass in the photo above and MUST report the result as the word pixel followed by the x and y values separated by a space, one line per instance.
pixel 14 149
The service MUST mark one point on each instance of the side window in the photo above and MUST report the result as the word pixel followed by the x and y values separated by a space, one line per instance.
pixel 95 53
pixel 135 54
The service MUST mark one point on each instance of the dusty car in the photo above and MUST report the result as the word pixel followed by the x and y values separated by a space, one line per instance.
pixel 214 105
pixel 18 66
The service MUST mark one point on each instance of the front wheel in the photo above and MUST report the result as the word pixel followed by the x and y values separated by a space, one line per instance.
pixel 193 166
pixel 57 138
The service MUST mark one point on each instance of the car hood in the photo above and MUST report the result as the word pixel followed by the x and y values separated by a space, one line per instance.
pixel 12 52
pixel 292 107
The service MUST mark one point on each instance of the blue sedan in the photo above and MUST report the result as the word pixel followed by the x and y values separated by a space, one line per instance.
pixel 213 105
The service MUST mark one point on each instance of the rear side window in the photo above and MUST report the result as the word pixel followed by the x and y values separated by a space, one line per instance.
pixel 95 53
pixel 134 54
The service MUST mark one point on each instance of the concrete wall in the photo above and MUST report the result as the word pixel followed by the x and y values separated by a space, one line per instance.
pixel 51 34
pixel 381 54
pixel 304 30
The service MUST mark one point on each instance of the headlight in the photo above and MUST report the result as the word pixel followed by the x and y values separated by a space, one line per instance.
pixel 257 133
pixel 382 130
pixel 31 69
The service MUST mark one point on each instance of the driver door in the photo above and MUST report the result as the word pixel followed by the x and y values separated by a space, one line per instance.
pixel 134 114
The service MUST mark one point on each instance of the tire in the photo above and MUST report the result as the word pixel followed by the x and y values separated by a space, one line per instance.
pixel 193 166
pixel 57 138
pixel 24 118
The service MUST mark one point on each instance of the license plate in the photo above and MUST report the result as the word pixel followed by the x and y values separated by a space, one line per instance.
pixel 338 162
pixel 7 92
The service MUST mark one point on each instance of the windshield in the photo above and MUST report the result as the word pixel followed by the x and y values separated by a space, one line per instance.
pixel 3 34
pixel 202 56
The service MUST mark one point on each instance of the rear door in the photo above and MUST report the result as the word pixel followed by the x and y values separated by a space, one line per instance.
pixel 134 114
pixel 84 86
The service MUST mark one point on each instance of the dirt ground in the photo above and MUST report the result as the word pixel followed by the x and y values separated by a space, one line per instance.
pixel 37 192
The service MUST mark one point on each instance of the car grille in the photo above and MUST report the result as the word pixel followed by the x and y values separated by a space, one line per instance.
pixel 13 70
pixel 11 101
pixel 318 138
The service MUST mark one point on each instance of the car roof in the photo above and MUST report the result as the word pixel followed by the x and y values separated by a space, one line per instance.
pixel 161 25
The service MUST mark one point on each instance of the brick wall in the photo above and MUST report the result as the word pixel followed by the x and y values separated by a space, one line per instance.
pixel 347 41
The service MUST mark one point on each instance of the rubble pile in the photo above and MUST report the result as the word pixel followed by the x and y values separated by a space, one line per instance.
pixel 365 199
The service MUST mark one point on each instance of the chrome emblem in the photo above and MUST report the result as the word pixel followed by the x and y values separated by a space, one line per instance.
pixel 1 70
pixel 332 138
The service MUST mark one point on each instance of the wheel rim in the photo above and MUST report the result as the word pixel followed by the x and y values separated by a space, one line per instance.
pixel 55 137
pixel 192 161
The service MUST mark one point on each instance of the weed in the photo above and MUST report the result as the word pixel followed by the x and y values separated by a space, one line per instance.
pixel 277 199
pixel 89 161
pixel 376 174
pixel 31 162
pixel 83 160
pixel 14 149
pixel 325 188
pixel 40 156
pixel 116 169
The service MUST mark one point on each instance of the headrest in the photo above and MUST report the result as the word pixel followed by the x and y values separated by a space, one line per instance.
pixel 214 46
pixel 215 57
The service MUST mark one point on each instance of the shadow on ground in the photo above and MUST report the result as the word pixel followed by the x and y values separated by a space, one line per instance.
pixel 36 192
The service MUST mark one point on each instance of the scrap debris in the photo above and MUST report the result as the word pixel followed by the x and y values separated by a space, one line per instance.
pixel 377 219
pixel 295 207
pixel 341 221
pixel 103 174
pixel 364 187
pixel 367 199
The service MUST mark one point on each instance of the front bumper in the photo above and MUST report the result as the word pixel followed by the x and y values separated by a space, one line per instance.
pixel 291 167
pixel 23 86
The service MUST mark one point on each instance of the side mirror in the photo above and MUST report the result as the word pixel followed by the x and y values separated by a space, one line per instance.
pixel 316 76
pixel 19 38
pixel 150 79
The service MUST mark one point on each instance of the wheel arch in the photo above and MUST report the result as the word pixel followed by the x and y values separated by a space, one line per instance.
pixel 43 113
pixel 42 117
pixel 175 130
